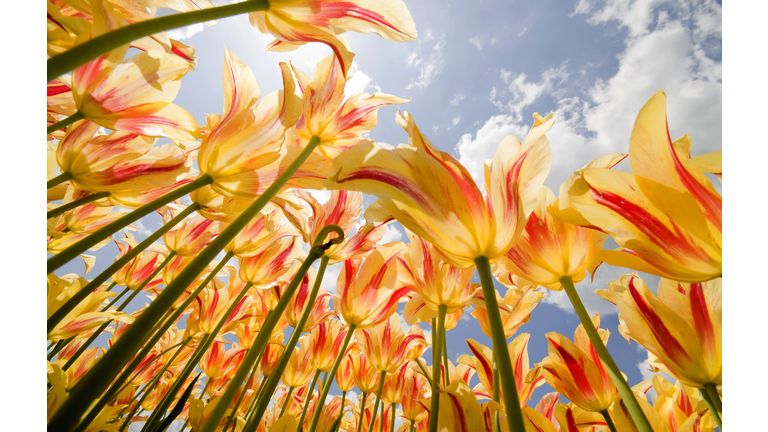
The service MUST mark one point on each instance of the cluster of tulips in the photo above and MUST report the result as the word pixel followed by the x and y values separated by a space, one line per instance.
pixel 210 348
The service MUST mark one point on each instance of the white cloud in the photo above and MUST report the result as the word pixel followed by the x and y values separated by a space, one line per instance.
pixel 429 59
pixel 392 233
pixel 359 82
pixel 524 92
pixel 187 32
pixel 457 98
pixel 476 42
pixel 330 277
pixel 455 121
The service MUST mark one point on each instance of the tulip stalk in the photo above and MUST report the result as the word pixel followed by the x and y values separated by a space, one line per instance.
pixel 317 251
pixel 87 51
pixel 362 412
pixel 233 413
pixel 309 398
pixel 171 318
pixel 378 399
pixel 327 384
pixel 100 234
pixel 392 419
pixel 434 406
pixel 424 371
pixel 446 378
pixel 714 403
pixel 59 179
pixel 287 401
pixel 633 406
pixel 608 420
pixel 61 124
pixel 496 392
pixel 60 210
pixel 515 419
pixel 79 296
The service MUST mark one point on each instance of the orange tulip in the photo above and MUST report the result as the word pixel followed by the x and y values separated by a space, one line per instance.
pixel 414 389
pixel 217 207
pixel 260 233
pixel 432 195
pixel 216 362
pixel 213 302
pixel 191 235
pixel 277 259
pixel 320 311
pixel 666 216
pixel 294 23
pixel 515 308
pixel 368 288
pixel 337 122
pixel 366 378
pixel 575 370
pixel 681 325
pixel 325 341
pixel 345 375
pixel 299 370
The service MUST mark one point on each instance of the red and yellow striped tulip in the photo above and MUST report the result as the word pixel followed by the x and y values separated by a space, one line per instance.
pixel 366 378
pixel 325 342
pixel 294 23
pixel 386 346
pixel 191 236
pixel 576 371
pixel 515 308
pixel 368 288
pixel 320 311
pixel 666 216
pixel 434 196
pixel 299 370
pixel 682 325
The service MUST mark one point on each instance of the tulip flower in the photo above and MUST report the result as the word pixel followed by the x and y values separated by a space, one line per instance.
pixel 624 422
pixel 258 235
pixel 526 379
pixel 365 374
pixel 265 267
pixel 120 161
pixel 270 357
pixel 191 235
pixel 329 413
pixel 666 215
pixel 394 385
pixel 319 312
pixel 368 288
pixel 414 389
pixel 342 209
pixel 575 370
pixel 295 23
pixel 216 362
pixel 134 95
pixel 214 301
pixel 345 375
pixel 337 122
pixel 681 325
pixel 386 346
pixel 217 207
pixel 515 308
pixel 299 369
pixel 325 341
pixel 251 133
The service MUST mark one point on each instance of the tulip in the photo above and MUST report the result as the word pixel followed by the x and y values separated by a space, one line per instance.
pixel 299 369
pixel 515 308
pixel 294 23
pixel 681 325
pixel 191 236
pixel 325 114
pixel 666 215
pixel 575 370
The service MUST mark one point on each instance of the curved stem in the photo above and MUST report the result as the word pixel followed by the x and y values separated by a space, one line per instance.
pixel 633 407
pixel 274 378
pixel 60 210
pixel 167 320
pixel 424 371
pixel 332 374
pixel 87 51
pixel 59 179
pixel 100 234
pixel 362 412
pixel 712 409
pixel 61 124
pixel 434 406
pixel 515 419
pixel 608 420
pixel 79 296
pixel 378 399
pixel 308 399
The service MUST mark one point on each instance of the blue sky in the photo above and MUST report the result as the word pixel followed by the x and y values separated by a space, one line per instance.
pixel 480 69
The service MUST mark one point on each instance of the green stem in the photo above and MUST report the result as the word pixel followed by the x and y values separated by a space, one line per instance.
pixel 496 393
pixel 167 320
pixel 147 389
pixel 424 371
pixel 383 412
pixel 362 412
pixel 195 359
pixel 608 420
pixel 61 124
pixel 59 179
pixel 446 377
pixel 337 423
pixel 114 300
pixel 59 345
pixel 332 374
pixel 97 236
pixel 87 51
pixel 413 425
pixel 287 401
pixel 633 407
pixel 434 406
pixel 715 405
pixel 79 296
pixel 318 250
pixel 392 419
pixel 515 419
pixel 378 399
pixel 146 281
pixel 233 413
pixel 308 399
pixel 75 204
